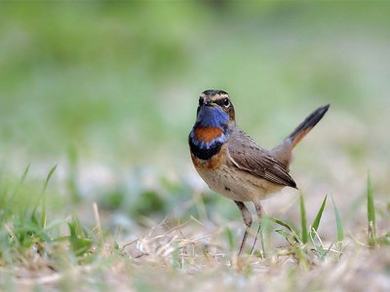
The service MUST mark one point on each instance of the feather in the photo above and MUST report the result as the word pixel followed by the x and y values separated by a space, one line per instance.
pixel 247 156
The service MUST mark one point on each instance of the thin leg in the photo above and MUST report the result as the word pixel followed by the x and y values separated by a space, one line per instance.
pixel 260 213
pixel 246 215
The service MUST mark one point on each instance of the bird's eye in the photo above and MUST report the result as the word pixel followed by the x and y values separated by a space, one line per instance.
pixel 226 102
pixel 200 100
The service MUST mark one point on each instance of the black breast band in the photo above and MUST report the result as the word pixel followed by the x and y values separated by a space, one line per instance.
pixel 204 153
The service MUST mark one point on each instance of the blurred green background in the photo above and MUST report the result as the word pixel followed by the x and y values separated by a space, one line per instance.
pixel 108 91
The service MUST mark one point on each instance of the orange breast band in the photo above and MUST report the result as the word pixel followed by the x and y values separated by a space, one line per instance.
pixel 207 134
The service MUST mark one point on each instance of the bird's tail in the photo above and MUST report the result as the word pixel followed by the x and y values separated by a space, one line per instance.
pixel 283 151
pixel 297 135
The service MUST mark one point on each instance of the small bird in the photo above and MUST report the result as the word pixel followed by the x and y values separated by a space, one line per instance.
pixel 232 164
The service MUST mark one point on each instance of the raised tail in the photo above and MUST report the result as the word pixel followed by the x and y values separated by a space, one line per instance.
pixel 283 151
pixel 297 135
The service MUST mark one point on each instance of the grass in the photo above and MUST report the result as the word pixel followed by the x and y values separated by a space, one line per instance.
pixel 339 223
pixel 48 250
pixel 304 233
pixel 317 219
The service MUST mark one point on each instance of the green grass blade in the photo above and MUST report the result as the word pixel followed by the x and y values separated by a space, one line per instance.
pixel 25 173
pixel 79 240
pixel 21 181
pixel 371 213
pixel 304 235
pixel 292 230
pixel 50 174
pixel 339 223
pixel 317 219
pixel 284 224
pixel 43 215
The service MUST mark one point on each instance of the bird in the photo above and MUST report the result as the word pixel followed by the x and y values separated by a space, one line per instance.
pixel 233 164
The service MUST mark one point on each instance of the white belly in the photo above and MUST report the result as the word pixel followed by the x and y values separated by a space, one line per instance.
pixel 237 185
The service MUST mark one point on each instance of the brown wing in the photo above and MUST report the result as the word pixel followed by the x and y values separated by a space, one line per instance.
pixel 246 155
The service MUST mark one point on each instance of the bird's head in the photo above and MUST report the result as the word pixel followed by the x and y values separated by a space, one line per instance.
pixel 215 106
pixel 214 120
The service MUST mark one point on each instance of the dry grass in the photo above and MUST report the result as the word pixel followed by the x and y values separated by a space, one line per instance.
pixel 182 258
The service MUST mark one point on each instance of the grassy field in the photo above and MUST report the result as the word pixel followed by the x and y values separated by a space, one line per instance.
pixel 97 190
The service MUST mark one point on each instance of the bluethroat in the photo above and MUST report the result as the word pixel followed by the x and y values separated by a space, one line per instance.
pixel 232 164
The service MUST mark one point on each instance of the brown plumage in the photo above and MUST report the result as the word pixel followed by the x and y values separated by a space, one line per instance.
pixel 231 162
pixel 247 156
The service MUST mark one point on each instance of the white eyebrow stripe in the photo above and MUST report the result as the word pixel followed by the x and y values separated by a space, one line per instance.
pixel 219 97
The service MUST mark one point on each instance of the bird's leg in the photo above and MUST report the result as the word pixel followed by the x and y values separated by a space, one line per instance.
pixel 246 215
pixel 260 212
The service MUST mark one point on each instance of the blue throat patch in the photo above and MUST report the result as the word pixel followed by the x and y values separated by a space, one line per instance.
pixel 209 117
